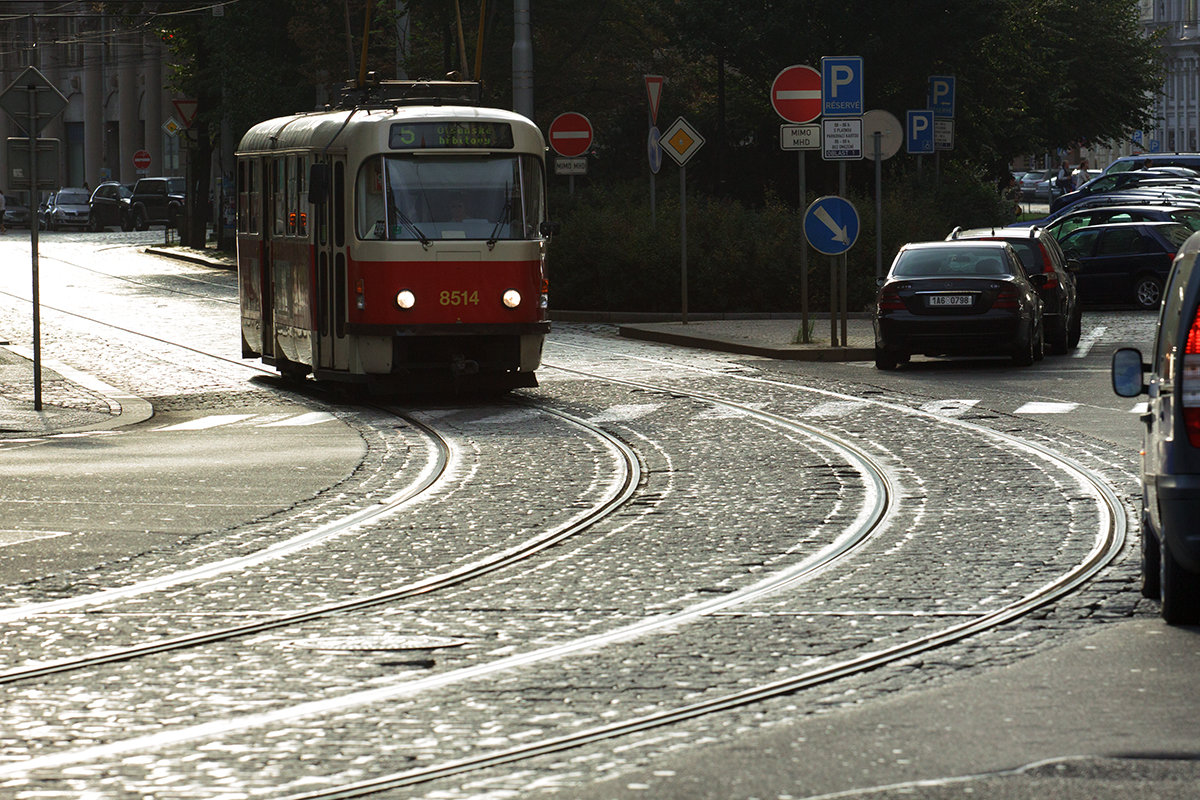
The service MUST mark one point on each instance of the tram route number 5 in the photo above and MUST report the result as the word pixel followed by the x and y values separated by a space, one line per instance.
pixel 456 298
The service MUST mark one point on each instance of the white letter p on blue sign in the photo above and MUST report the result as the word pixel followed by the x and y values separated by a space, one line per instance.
pixel 941 95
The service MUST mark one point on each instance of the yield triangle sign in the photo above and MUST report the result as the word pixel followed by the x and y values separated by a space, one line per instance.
pixel 654 84
pixel 187 111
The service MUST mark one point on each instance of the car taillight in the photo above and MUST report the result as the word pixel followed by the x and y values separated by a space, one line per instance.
pixel 1007 298
pixel 1190 384
pixel 889 300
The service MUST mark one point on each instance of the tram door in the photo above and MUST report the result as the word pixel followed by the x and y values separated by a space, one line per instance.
pixel 333 346
pixel 265 179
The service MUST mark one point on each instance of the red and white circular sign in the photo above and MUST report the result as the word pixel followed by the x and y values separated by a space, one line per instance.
pixel 796 94
pixel 141 160
pixel 570 134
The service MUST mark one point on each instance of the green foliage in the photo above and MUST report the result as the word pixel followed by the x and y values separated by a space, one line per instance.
pixel 611 256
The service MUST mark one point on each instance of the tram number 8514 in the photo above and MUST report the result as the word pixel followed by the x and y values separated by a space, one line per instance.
pixel 463 298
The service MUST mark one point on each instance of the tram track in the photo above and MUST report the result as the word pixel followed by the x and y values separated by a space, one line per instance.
pixel 878 497
pixel 1109 538
pixel 621 488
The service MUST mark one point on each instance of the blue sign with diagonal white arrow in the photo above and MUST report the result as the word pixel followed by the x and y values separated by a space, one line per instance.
pixel 831 225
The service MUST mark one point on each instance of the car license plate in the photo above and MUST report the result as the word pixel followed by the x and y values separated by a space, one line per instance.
pixel 951 300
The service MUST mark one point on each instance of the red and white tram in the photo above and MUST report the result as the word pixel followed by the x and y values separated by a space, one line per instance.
pixel 395 242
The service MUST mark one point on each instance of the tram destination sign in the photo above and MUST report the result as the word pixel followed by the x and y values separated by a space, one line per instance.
pixel 450 135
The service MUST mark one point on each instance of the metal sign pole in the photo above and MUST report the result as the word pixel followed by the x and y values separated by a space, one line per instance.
pixel 804 337
pixel 878 205
pixel 845 289
pixel 33 247
pixel 683 239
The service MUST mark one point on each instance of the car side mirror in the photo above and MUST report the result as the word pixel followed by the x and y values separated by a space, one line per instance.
pixel 1073 264
pixel 1038 279
pixel 1127 371
pixel 550 229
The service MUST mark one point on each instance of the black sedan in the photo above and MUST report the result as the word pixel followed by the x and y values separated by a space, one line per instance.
pixel 1124 261
pixel 958 298
pixel 110 206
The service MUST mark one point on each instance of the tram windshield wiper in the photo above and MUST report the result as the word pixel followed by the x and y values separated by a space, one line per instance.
pixel 505 215
pixel 412 226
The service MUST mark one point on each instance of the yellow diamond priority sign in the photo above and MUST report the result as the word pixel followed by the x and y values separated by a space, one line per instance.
pixel 681 141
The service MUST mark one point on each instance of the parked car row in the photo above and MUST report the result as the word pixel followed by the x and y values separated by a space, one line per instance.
pixel 151 201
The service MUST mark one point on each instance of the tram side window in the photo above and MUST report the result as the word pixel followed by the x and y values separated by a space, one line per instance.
pixel 301 172
pixel 371 207
pixel 292 207
pixel 243 199
pixel 253 179
pixel 278 196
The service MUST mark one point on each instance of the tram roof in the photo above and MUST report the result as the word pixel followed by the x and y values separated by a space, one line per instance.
pixel 319 128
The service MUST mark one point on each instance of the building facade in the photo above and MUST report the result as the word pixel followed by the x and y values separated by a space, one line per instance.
pixel 112 74
pixel 1176 109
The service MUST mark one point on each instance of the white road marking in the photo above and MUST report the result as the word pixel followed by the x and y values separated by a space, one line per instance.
pixel 1089 341
pixel 300 420
pixel 728 412
pixel 626 412
pixel 835 408
pixel 949 408
pixel 1047 408
pixel 1140 408
pixel 203 423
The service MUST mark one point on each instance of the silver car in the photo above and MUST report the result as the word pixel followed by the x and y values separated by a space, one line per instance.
pixel 68 208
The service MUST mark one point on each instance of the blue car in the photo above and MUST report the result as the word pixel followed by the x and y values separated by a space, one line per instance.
pixel 1171 443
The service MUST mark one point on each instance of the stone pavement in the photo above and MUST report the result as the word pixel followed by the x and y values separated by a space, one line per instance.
pixel 71 400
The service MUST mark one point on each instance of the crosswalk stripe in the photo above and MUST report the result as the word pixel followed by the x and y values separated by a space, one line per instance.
pixel 203 423
pixel 949 408
pixel 1047 408
pixel 301 420
pixel 835 408
pixel 1088 342
pixel 626 412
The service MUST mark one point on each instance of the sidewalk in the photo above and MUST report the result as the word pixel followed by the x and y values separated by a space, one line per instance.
pixel 767 337
pixel 72 402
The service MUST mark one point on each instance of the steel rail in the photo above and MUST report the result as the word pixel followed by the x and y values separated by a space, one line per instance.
pixel 1109 539
pixel 620 489
pixel 880 497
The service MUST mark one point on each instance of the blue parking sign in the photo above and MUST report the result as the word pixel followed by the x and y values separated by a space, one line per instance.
pixel 919 131
pixel 842 86
pixel 941 96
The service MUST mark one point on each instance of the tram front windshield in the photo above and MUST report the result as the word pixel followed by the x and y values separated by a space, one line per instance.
pixel 422 197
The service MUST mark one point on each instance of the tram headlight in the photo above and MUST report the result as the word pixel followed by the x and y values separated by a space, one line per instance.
pixel 511 298
pixel 405 299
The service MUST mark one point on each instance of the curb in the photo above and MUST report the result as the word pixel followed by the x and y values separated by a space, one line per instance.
pixel 127 409
pixel 796 353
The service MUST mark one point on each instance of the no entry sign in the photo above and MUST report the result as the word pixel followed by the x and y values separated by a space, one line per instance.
pixel 141 160
pixel 570 134
pixel 796 94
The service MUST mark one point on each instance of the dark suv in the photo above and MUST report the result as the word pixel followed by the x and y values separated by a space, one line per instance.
pixel 110 206
pixel 1040 253
pixel 157 201
pixel 1171 443
pixel 1124 261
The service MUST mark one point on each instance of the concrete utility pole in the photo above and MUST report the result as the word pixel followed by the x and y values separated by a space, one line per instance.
pixel 522 59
